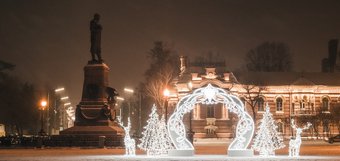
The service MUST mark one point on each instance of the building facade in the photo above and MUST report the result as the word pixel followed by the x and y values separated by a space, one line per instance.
pixel 302 96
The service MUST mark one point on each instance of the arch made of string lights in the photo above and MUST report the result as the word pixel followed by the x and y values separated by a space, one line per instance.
pixel 210 95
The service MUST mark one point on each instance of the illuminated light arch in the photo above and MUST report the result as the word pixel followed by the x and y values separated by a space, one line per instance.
pixel 210 95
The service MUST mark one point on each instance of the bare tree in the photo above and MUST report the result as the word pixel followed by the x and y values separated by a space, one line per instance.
pixel 6 66
pixel 314 120
pixel 252 95
pixel 163 69
pixel 269 57
pixel 18 105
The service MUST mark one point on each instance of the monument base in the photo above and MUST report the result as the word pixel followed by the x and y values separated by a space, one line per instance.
pixel 107 131
pixel 175 152
pixel 240 153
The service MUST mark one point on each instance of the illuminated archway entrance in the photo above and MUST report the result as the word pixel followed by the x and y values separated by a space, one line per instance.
pixel 211 95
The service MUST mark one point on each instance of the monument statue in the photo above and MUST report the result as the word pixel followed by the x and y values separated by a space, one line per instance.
pixel 95 114
pixel 96 30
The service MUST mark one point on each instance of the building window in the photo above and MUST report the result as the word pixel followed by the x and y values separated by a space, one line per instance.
pixel 260 104
pixel 210 111
pixel 279 104
pixel 280 127
pixel 325 103
pixel 302 104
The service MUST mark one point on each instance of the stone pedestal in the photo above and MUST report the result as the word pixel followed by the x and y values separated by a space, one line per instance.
pixel 91 112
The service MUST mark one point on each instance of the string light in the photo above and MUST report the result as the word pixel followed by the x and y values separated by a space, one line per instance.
pixel 294 144
pixel 210 95
pixel 267 139
pixel 130 145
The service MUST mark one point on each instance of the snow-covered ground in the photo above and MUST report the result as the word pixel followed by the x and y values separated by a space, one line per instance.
pixel 145 158
pixel 310 150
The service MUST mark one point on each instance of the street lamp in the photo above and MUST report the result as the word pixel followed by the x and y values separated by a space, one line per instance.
pixel 130 91
pixel 42 108
pixel 120 109
pixel 56 110
pixel 59 89
pixel 66 104
pixel 64 98
pixel 166 94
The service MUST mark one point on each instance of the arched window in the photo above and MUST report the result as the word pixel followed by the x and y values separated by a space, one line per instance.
pixel 302 104
pixel 260 104
pixel 325 103
pixel 279 104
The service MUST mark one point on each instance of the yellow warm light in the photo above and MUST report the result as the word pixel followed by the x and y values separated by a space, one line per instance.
pixel 66 104
pixel 64 98
pixel 43 103
pixel 166 93
pixel 59 89
pixel 129 90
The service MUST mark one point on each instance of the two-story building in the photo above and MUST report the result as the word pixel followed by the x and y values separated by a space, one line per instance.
pixel 289 95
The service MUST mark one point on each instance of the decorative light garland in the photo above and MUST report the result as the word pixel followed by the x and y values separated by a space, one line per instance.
pixel 267 139
pixel 155 140
pixel 211 95
pixel 130 145
pixel 294 144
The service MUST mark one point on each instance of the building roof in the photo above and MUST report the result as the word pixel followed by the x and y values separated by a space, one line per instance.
pixel 289 78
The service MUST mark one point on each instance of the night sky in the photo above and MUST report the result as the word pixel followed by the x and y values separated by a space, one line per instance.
pixel 48 41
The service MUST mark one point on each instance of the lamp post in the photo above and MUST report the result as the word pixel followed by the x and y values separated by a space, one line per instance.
pixel 120 108
pixel 166 94
pixel 42 107
pixel 129 91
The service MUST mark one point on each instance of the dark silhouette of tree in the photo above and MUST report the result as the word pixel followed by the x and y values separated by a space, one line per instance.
pixel 253 85
pixel 164 67
pixel 252 96
pixel 211 59
pixel 18 104
pixel 6 66
pixel 269 57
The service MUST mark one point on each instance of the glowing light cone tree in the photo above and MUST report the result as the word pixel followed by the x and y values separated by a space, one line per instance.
pixel 163 138
pixel 149 140
pixel 267 139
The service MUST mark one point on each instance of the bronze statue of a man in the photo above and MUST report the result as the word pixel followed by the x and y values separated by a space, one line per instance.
pixel 96 30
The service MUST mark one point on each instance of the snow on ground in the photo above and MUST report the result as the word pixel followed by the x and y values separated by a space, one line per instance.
pixel 310 150
pixel 146 158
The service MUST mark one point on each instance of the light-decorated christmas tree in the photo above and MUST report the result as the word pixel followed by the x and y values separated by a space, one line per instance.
pixel 155 139
pixel 163 137
pixel 267 139
pixel 149 140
